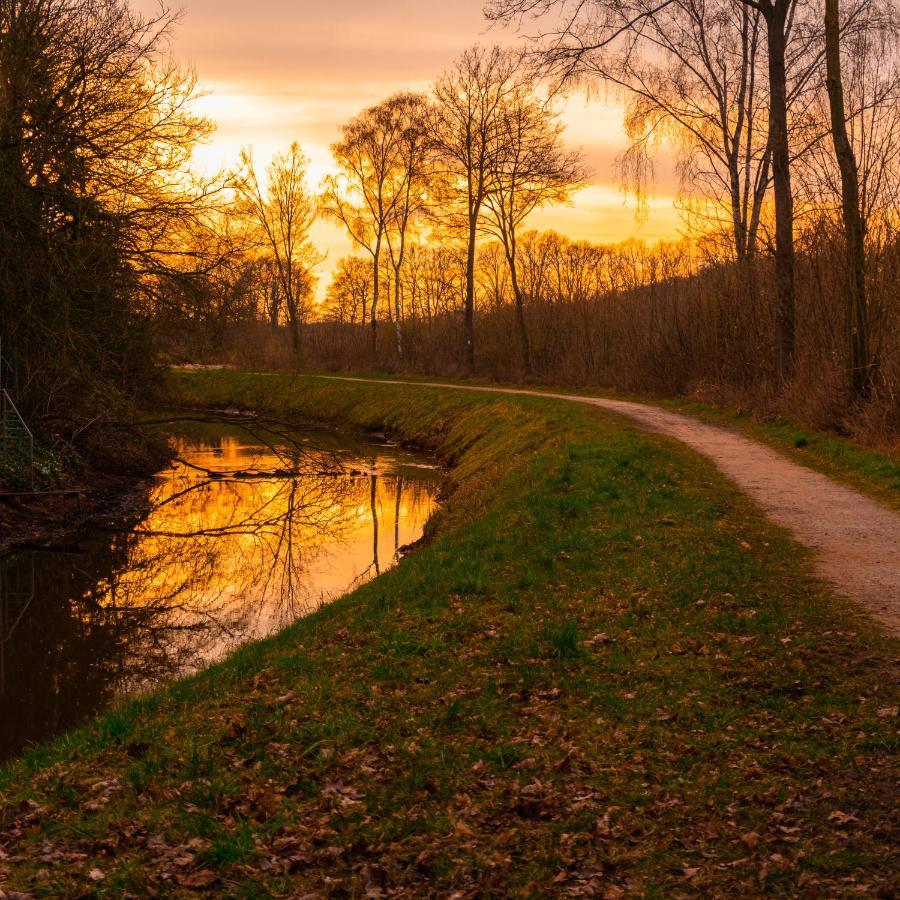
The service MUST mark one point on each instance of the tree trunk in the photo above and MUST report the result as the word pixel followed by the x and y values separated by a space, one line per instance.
pixel 469 326
pixel 398 311
pixel 776 22
pixel 861 369
pixel 397 503
pixel 295 336
pixel 739 229
pixel 524 342
pixel 272 303
pixel 738 208
pixel 376 260
pixel 295 328
pixel 373 505
pixel 759 194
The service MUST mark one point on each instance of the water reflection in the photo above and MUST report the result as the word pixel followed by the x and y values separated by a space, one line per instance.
pixel 227 551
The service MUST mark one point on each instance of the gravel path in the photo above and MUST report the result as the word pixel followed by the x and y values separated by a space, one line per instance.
pixel 855 540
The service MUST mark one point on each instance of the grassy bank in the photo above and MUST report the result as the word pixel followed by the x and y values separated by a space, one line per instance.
pixel 871 471
pixel 606 675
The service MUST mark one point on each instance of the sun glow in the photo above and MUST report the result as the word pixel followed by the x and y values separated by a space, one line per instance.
pixel 247 117
pixel 300 75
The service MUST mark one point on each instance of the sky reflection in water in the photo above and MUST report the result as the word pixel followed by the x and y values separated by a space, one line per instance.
pixel 217 560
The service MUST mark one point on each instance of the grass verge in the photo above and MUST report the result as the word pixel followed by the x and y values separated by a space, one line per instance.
pixel 870 471
pixel 607 675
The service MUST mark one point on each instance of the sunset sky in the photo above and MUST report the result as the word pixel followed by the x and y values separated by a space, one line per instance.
pixel 297 71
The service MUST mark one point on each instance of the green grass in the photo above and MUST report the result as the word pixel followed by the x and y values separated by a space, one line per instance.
pixel 870 471
pixel 585 683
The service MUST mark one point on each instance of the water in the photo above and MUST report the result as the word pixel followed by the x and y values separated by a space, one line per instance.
pixel 250 530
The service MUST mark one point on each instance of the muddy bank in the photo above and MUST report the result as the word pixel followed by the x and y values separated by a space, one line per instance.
pixel 106 473
pixel 42 519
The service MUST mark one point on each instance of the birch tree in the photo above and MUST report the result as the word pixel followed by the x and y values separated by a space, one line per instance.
pixel 412 179
pixel 368 190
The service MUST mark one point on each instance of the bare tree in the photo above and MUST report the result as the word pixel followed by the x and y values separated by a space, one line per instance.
pixel 413 161
pixel 434 279
pixel 530 169
pixel 96 134
pixel 777 15
pixel 585 41
pixel 854 233
pixel 369 187
pixel 493 286
pixel 268 285
pixel 467 130
pixel 284 211
pixel 346 300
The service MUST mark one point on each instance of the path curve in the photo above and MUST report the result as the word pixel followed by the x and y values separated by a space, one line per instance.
pixel 855 540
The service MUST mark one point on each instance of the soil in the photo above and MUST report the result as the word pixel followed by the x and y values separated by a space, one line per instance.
pixel 29 520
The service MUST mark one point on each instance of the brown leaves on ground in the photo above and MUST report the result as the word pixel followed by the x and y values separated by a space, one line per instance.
pixel 582 733
pixel 579 799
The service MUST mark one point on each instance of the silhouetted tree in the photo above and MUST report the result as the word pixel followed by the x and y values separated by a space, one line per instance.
pixel 348 293
pixel 413 161
pixel 854 235
pixel 368 191
pixel 467 129
pixel 284 211
pixel 96 133
pixel 530 169
pixel 586 37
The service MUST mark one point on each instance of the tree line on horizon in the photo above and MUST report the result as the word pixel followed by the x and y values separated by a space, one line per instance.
pixel 785 125
pixel 784 119
pixel 471 160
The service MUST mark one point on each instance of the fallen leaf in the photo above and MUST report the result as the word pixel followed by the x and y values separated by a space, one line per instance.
pixel 202 878
pixel 601 638
pixel 841 818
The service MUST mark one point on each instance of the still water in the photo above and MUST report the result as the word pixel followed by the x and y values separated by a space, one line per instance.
pixel 249 529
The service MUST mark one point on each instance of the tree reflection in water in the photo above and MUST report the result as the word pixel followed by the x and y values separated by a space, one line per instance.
pixel 239 539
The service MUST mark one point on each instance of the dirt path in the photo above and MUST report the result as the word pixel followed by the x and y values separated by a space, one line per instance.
pixel 855 540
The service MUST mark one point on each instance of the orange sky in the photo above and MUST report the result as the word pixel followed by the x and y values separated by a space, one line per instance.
pixel 280 71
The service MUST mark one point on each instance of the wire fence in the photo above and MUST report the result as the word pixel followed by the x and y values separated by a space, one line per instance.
pixel 16 438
